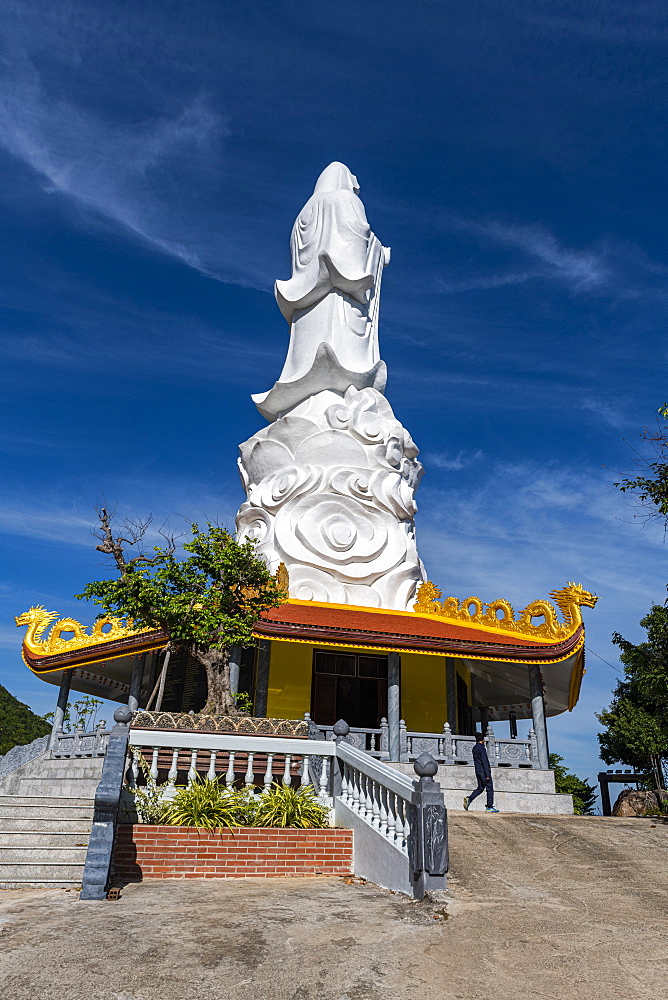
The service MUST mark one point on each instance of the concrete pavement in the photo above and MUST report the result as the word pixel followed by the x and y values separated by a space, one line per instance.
pixel 539 907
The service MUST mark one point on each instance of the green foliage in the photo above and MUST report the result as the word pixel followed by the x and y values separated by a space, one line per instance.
pixel 584 794
pixel 244 702
pixel 80 715
pixel 206 602
pixel 284 806
pixel 149 802
pixel 18 724
pixel 636 723
pixel 651 486
pixel 205 804
pixel 210 805
pixel 210 600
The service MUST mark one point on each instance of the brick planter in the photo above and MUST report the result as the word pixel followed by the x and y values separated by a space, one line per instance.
pixel 143 851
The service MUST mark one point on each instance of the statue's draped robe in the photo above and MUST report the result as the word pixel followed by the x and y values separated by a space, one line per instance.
pixel 331 300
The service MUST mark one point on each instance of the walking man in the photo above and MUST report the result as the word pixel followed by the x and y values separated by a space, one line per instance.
pixel 483 773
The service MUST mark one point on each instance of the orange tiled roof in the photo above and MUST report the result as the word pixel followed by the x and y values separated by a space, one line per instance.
pixel 340 625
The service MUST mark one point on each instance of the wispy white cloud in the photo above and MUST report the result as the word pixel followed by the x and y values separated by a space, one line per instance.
pixel 452 460
pixel 114 171
pixel 582 269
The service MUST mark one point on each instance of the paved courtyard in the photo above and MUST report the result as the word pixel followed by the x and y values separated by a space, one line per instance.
pixel 558 908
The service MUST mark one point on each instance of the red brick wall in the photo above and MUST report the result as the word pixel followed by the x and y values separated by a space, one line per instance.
pixel 144 851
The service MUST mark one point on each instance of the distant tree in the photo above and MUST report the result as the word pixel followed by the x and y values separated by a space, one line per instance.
pixel 584 794
pixel 650 487
pixel 80 715
pixel 636 723
pixel 204 603
pixel 18 723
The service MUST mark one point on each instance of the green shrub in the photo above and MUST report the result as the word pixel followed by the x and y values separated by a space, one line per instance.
pixel 205 804
pixel 148 798
pixel 283 806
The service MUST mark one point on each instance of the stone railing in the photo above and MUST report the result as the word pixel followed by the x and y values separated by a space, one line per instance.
pixel 400 825
pixel 450 748
pixel 81 744
pixel 177 758
pixel 446 747
pixel 375 742
pixel 18 756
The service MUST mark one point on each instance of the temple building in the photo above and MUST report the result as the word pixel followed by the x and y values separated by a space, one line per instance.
pixel 330 486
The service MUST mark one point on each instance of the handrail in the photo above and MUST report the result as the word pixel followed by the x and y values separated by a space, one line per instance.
pixel 376 770
pixel 228 741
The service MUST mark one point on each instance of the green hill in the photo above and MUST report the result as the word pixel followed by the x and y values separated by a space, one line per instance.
pixel 18 723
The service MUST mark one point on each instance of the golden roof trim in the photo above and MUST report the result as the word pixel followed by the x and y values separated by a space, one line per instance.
pixel 569 600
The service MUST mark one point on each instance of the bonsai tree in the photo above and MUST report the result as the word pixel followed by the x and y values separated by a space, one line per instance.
pixel 205 602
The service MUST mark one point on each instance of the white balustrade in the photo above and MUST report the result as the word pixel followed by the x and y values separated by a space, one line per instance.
pixel 205 749
pixel 376 793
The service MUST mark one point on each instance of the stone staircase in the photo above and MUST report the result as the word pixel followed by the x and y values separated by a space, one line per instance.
pixel 43 840
pixel 46 812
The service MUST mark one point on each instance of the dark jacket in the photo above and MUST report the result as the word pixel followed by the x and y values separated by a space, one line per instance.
pixel 481 761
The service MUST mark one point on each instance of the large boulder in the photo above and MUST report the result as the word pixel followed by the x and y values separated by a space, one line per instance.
pixel 636 802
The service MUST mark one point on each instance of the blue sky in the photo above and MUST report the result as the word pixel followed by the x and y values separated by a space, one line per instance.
pixel 154 157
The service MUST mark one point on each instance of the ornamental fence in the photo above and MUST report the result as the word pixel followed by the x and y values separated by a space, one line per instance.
pixel 400 826
pixel 445 747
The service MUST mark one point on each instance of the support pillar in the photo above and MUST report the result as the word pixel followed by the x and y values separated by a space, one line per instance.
pixel 235 667
pixel 136 682
pixel 484 719
pixel 538 715
pixel 61 706
pixel 394 703
pixel 451 692
pixel 262 678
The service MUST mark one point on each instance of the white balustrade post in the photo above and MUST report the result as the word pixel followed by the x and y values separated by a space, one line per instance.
pixel 323 779
pixel 154 764
pixel 192 773
pixel 229 774
pixel 268 774
pixel 287 777
pixel 305 778
pixel 211 773
pixel 248 777
pixel 174 769
pixel 391 817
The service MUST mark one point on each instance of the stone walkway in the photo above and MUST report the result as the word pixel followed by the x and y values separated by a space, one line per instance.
pixel 556 908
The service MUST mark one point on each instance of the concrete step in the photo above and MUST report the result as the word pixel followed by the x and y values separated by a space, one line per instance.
pixel 31 871
pixel 44 825
pixel 45 812
pixel 60 788
pixel 40 838
pixel 53 883
pixel 44 800
pixel 40 855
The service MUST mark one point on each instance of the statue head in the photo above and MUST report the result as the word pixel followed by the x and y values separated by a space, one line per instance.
pixel 336 177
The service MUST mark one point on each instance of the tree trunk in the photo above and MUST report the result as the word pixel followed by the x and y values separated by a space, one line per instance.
pixel 220 700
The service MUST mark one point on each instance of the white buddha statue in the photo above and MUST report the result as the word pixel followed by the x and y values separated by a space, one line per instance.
pixel 331 301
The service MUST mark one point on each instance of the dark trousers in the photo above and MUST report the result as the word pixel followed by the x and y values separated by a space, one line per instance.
pixel 484 784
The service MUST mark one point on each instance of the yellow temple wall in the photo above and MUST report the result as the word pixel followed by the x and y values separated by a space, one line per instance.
pixel 423 695
pixel 290 673
pixel 423 698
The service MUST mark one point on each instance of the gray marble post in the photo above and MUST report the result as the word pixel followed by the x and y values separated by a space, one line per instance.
pixel 394 703
pixel 61 706
pixel 235 667
pixel 135 682
pixel 451 692
pixel 262 678
pixel 538 715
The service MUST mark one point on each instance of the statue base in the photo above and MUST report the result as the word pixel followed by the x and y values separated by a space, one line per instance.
pixel 330 492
